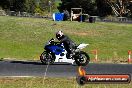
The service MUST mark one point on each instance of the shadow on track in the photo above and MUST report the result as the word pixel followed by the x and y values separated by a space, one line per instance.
pixel 38 63
pixel 27 62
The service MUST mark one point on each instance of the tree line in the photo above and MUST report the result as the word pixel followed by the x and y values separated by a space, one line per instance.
pixel 30 6
pixel 92 7
pixel 100 7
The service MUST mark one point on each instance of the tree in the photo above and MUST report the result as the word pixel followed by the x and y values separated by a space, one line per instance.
pixel 103 8
pixel 120 7
pixel 89 6
pixel 5 4
pixel 30 6
pixel 18 5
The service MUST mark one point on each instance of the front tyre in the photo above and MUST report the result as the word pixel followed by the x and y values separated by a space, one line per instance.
pixel 82 58
pixel 47 58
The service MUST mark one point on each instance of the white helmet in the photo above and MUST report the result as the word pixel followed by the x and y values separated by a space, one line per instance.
pixel 59 35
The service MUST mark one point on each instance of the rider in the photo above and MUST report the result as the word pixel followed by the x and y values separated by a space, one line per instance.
pixel 69 45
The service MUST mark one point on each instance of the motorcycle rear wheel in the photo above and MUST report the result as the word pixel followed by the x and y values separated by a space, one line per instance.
pixel 82 58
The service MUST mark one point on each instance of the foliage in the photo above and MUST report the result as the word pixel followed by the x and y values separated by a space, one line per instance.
pixel 5 4
pixel 31 6
pixel 89 6
pixel 103 8
pixel 99 7
pixel 18 5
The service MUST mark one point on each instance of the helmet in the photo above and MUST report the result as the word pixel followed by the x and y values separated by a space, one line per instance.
pixel 59 35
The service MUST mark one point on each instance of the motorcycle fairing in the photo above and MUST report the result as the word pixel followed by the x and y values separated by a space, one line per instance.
pixel 55 49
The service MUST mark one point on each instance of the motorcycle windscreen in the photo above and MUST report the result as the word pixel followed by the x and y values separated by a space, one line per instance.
pixel 55 49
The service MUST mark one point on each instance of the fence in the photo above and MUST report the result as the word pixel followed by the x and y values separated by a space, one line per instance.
pixel 113 19
pixel 38 15
pixel 22 14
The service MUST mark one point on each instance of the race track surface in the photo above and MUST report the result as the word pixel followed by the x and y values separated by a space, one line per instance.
pixel 35 68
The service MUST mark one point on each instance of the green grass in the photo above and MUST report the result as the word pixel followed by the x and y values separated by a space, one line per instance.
pixel 52 83
pixel 23 38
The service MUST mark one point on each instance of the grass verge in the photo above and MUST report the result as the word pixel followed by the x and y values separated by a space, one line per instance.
pixel 23 38
pixel 52 83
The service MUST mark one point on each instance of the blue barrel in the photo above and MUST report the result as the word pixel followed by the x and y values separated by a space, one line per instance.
pixel 58 16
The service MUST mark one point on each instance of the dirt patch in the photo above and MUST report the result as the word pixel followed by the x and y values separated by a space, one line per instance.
pixel 85 33
pixel 80 33
pixel 6 80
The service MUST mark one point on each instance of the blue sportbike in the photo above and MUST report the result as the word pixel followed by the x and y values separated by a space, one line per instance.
pixel 55 52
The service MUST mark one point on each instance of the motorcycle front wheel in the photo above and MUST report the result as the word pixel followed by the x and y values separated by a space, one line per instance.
pixel 82 58
pixel 47 58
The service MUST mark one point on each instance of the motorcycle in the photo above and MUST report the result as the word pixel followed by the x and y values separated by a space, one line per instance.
pixel 55 52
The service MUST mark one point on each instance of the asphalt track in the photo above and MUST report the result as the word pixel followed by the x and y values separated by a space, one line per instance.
pixel 35 68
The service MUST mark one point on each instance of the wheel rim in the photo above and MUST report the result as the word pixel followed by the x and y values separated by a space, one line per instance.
pixel 82 58
pixel 47 58
pixel 50 59
pixel 43 58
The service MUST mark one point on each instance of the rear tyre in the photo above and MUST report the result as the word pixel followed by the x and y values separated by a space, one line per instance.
pixel 47 58
pixel 82 58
